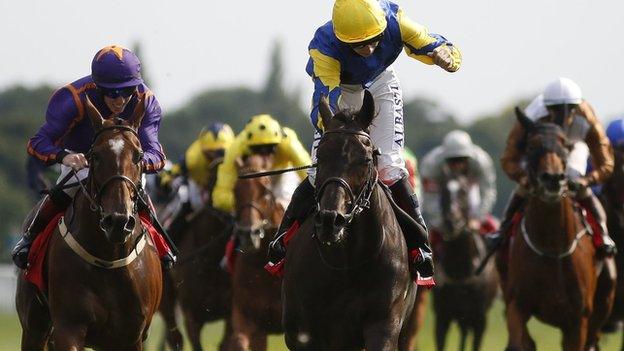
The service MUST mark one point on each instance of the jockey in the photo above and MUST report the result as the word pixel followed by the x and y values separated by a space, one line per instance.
pixel 200 159
pixel 615 133
pixel 114 87
pixel 261 135
pixel 458 155
pixel 562 103
pixel 195 175
pixel 352 52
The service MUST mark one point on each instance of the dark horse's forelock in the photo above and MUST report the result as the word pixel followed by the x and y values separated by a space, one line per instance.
pixel 551 140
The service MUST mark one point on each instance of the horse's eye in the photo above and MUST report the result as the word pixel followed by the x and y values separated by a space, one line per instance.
pixel 137 157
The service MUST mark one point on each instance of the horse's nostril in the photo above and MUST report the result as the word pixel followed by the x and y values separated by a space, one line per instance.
pixel 106 223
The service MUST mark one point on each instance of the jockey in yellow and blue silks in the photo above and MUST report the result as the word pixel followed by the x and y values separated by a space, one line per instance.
pixel 353 52
pixel 262 134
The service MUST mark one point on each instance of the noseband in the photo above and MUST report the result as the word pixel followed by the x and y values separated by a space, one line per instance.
pixel 362 200
pixel 95 199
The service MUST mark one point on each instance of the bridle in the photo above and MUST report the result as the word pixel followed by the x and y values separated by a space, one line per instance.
pixel 95 198
pixel 258 231
pixel 362 201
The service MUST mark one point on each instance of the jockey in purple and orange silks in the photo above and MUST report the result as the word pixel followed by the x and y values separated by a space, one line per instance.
pixel 114 87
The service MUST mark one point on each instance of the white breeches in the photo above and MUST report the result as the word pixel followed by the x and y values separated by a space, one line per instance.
pixel 387 130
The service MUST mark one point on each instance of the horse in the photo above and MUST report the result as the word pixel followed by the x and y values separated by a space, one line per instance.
pixel 612 197
pixel 346 282
pixel 553 273
pixel 198 282
pixel 103 275
pixel 461 295
pixel 256 299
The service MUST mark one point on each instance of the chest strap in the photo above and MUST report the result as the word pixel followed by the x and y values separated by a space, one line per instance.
pixel 89 258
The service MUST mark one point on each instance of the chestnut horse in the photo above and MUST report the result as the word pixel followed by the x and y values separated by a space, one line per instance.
pixel 553 273
pixel 256 299
pixel 460 295
pixel 347 284
pixel 612 197
pixel 103 275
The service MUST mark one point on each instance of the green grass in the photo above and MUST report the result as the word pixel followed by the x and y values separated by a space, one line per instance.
pixel 495 338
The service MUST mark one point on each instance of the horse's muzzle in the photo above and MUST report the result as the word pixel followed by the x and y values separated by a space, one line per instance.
pixel 117 227
pixel 329 226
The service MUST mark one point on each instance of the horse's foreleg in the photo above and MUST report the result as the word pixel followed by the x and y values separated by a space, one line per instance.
pixel 463 332
pixel 167 310
pixel 193 330
pixel 227 335
pixel 519 338
pixel 259 342
pixel 381 337
pixel 69 338
pixel 242 330
pixel 409 336
pixel 477 330
pixel 575 336
pixel 603 301
pixel 441 328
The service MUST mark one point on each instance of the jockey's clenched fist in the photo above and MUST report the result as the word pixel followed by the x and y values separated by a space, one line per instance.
pixel 443 57
pixel 76 161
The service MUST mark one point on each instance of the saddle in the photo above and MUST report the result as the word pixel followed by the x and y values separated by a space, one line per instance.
pixel 406 222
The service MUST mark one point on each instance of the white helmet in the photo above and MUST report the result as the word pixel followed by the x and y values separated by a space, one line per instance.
pixel 562 91
pixel 457 143
pixel 536 109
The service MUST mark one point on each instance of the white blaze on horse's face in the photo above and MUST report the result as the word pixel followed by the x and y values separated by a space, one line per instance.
pixel 117 146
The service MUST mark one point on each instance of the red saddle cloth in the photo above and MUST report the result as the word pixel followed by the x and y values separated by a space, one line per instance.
pixel 39 248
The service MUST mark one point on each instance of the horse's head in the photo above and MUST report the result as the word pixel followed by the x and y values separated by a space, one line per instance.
pixel 458 206
pixel 256 206
pixel 115 171
pixel 546 150
pixel 346 172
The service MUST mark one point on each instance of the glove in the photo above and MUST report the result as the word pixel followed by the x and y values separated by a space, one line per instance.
pixel 442 56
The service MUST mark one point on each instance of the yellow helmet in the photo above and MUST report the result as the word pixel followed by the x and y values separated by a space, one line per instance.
pixel 358 20
pixel 217 136
pixel 262 130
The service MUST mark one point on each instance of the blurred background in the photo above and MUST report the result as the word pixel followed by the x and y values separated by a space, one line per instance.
pixel 230 60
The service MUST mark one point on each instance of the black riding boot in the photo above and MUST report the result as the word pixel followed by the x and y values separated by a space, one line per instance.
pixel 48 208
pixel 300 206
pixel 421 259
pixel 494 240
pixel 607 247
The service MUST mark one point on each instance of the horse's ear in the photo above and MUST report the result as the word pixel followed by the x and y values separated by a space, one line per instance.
pixel 524 120
pixel 367 113
pixel 139 112
pixel 325 112
pixel 94 115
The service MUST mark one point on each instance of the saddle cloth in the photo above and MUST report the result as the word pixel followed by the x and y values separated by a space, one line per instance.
pixel 39 248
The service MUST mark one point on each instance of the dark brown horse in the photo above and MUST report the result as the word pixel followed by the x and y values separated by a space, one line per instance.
pixel 256 299
pixel 553 273
pixel 97 301
pixel 347 284
pixel 460 295
pixel 198 283
pixel 612 197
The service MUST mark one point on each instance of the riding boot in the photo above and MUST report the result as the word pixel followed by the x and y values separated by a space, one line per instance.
pixel 49 207
pixel 494 240
pixel 605 246
pixel 300 206
pixel 420 254
pixel 168 258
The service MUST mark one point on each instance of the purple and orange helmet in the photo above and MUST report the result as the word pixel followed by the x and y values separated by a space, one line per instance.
pixel 115 67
